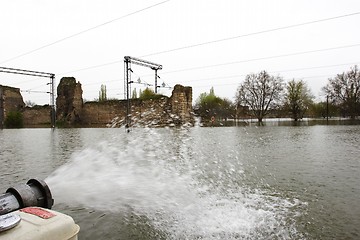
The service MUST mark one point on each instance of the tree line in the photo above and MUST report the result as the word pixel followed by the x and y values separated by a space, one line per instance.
pixel 262 95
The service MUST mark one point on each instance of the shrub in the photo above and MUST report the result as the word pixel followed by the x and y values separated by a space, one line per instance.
pixel 14 120
pixel 148 94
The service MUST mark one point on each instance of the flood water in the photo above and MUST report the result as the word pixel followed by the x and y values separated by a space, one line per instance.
pixel 272 182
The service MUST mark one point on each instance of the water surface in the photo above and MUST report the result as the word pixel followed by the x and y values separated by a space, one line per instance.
pixel 273 182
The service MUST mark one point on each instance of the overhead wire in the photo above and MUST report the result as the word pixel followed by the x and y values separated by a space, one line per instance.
pixel 203 43
pixel 233 76
pixel 84 31
pixel 253 33
pixel 103 82
pixel 33 91
pixel 231 38
pixel 227 63
pixel 275 71
pixel 262 58
pixel 243 75
pixel 237 83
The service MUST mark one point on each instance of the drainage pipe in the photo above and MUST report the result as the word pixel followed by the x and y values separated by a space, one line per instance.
pixel 34 193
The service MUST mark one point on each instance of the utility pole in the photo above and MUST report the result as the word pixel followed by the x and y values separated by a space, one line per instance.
pixel 156 77
pixel 52 100
pixel 127 81
pixel 127 91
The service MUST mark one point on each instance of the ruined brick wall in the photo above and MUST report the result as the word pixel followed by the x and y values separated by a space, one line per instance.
pixel 37 116
pixel 165 111
pixel 69 102
pixel 181 103
pixel 150 113
pixel 108 113
pixel 10 101
pixel 71 110
pixel 101 113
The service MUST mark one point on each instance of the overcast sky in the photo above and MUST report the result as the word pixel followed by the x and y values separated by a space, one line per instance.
pixel 200 43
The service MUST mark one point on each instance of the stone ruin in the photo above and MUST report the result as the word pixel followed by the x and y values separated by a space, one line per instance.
pixel 166 111
pixel 71 111
pixel 11 100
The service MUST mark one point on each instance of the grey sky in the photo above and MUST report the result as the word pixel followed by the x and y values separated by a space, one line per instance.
pixel 182 35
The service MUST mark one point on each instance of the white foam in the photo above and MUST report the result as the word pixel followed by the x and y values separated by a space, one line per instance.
pixel 136 177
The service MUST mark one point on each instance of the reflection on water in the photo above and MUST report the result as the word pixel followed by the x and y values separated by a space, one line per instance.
pixel 198 183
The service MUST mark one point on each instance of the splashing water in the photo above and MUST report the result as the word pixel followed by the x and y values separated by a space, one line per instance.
pixel 139 178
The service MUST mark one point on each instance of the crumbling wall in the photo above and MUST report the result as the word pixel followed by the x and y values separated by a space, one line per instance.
pixel 39 116
pixel 71 110
pixel 10 101
pixel 101 113
pixel 69 102
pixel 165 111
pixel 181 103
pixel 150 113
pixel 112 113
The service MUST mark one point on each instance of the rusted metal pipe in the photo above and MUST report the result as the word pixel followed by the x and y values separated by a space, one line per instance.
pixel 34 193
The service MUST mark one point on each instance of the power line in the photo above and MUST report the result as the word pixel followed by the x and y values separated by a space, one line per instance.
pixel 92 67
pixel 215 41
pixel 244 75
pixel 252 34
pixel 316 67
pixel 227 63
pixel 238 75
pixel 277 71
pixel 84 31
pixel 227 77
pixel 220 40
pixel 33 91
pixel 103 82
pixel 262 58
pixel 237 83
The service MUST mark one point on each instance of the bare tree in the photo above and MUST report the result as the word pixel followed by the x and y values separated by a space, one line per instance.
pixel 298 98
pixel 344 90
pixel 261 93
